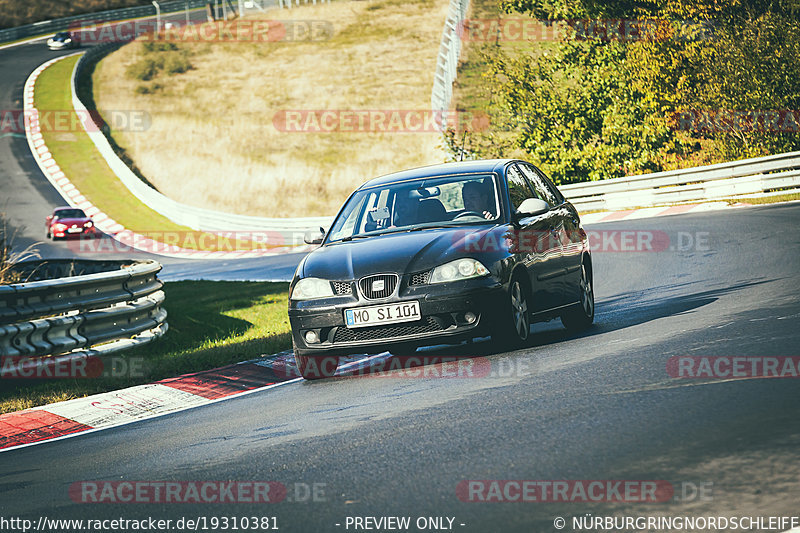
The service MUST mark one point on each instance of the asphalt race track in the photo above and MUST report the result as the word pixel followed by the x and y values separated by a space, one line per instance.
pixel 596 406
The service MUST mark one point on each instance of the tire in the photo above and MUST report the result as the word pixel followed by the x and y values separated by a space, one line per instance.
pixel 316 367
pixel 514 327
pixel 581 316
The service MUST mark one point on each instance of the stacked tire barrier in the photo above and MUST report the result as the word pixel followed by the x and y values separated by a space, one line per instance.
pixel 107 308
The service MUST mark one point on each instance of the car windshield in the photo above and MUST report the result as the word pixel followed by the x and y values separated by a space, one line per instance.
pixel 70 213
pixel 419 204
pixel 62 35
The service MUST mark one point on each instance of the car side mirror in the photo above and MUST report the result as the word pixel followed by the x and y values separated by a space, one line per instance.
pixel 531 207
pixel 314 236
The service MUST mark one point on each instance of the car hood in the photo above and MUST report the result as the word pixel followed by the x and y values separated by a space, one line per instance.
pixel 405 252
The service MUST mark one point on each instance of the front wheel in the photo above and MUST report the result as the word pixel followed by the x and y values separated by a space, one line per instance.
pixel 581 316
pixel 514 328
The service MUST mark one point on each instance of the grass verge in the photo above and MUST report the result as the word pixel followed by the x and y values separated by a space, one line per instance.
pixel 83 164
pixel 211 324
pixel 761 200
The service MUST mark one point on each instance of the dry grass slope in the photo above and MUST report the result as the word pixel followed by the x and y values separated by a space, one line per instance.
pixel 212 142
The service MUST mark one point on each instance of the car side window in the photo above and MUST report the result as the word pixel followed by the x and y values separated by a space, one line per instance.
pixel 518 188
pixel 539 185
pixel 550 184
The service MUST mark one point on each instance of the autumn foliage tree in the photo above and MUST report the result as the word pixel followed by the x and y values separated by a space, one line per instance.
pixel 698 87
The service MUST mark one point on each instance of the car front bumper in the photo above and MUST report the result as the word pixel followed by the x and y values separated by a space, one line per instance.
pixel 85 232
pixel 442 307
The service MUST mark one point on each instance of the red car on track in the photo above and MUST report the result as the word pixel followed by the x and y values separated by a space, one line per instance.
pixel 69 221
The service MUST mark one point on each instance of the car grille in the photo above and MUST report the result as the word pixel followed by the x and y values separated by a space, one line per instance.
pixel 389 284
pixel 420 278
pixel 427 325
pixel 342 287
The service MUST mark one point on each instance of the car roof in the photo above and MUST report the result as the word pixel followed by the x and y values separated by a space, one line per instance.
pixel 462 167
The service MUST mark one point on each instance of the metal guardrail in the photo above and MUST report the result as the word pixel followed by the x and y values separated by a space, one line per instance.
pixel 66 23
pixel 754 176
pixel 56 316
pixel 447 60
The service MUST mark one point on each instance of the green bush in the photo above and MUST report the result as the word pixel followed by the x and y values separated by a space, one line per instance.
pixel 158 57
pixel 148 89
pixel 144 69
pixel 176 64
pixel 158 46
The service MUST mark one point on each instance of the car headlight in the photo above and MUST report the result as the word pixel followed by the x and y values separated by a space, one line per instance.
pixel 311 288
pixel 88 224
pixel 457 270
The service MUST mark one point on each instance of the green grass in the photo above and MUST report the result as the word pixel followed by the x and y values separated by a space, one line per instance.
pixel 765 199
pixel 82 163
pixel 211 324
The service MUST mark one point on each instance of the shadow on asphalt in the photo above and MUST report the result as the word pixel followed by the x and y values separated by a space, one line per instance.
pixel 619 312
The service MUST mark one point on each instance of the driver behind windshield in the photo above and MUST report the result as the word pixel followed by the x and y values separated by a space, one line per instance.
pixel 406 208
pixel 478 198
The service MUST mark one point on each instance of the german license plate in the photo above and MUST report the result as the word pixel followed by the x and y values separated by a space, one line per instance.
pixel 74 230
pixel 359 317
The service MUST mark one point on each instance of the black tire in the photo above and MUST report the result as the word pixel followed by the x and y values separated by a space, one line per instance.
pixel 316 367
pixel 581 316
pixel 513 330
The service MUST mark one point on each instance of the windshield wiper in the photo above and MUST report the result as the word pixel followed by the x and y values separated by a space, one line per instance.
pixel 357 236
pixel 435 226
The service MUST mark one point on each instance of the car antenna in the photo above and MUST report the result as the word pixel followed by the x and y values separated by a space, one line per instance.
pixel 463 143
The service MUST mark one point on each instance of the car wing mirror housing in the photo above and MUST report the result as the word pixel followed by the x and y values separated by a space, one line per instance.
pixel 530 208
pixel 314 236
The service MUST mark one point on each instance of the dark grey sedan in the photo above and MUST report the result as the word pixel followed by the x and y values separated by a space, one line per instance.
pixel 437 255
